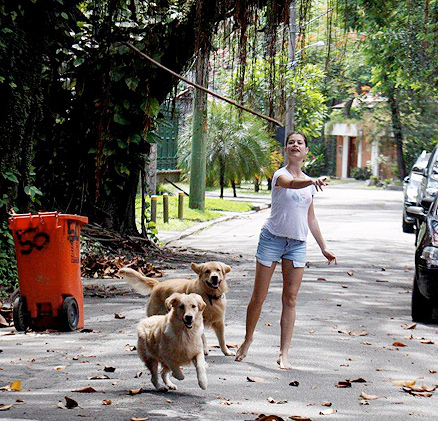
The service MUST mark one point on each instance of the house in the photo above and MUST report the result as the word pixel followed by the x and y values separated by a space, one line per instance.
pixel 357 145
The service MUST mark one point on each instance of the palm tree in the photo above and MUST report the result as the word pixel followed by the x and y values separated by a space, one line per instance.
pixel 238 146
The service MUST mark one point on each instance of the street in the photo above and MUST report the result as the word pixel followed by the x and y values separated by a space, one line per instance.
pixel 354 342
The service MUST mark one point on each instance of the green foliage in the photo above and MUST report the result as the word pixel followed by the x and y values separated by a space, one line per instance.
pixel 362 173
pixel 238 146
pixel 8 264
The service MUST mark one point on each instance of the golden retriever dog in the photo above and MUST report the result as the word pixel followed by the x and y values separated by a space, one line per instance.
pixel 210 284
pixel 173 340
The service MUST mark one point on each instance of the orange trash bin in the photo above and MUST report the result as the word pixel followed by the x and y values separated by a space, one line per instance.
pixel 47 246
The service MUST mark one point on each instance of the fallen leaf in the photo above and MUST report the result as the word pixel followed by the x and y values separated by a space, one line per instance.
pixel 326 403
pixel 321 279
pixel 399 344
pixel 405 383
pixel 432 371
pixel 263 417
pixel 169 400
pixel 358 380
pixel 343 384
pixel 6 407
pixel 311 331
pixel 428 342
pixel 294 383
pixel 297 417
pixel 138 374
pixel 329 411
pixel 16 386
pixel 271 400
pixel 60 367
pixel 135 391
pixel 368 397
pixel 87 389
pixel 139 419
pixel 105 377
pixel 255 379
pixel 70 403
pixel 118 316
pixel 350 273
pixel 367 343
pixel 361 333
pixel 364 402
pixel 381 280
pixel 106 402
pixel 410 326
pixel 109 369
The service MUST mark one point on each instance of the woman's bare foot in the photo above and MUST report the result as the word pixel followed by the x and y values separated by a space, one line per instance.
pixel 243 350
pixel 284 363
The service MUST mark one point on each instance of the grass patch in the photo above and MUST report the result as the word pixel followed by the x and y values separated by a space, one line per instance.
pixel 214 208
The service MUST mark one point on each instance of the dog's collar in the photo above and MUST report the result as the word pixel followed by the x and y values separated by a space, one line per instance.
pixel 214 297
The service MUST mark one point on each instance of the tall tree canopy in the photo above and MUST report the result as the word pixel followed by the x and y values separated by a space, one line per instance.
pixel 80 107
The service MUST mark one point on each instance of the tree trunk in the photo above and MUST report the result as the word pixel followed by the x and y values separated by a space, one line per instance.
pixel 398 131
pixel 233 184
pixel 222 176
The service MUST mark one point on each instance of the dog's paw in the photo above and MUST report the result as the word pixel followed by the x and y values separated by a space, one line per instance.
pixel 178 376
pixel 206 352
pixel 228 352
pixel 203 383
pixel 171 386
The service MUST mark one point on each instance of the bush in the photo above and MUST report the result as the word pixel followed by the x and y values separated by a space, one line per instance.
pixel 362 173
pixel 8 264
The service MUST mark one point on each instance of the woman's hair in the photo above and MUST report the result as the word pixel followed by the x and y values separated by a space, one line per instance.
pixel 301 134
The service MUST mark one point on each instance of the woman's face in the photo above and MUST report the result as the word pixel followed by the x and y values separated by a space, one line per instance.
pixel 296 146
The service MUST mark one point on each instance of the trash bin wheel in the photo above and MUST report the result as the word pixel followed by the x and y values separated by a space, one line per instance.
pixel 20 314
pixel 69 316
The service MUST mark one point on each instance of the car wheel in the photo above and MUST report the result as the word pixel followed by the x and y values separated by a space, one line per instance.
pixel 422 307
pixel 407 227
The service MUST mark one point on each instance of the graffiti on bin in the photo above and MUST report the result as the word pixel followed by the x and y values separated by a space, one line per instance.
pixel 38 241
pixel 73 238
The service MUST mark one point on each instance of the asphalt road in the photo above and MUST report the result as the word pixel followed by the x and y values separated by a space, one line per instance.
pixel 353 323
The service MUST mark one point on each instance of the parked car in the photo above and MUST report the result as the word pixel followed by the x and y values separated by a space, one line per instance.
pixel 411 185
pixel 429 184
pixel 425 288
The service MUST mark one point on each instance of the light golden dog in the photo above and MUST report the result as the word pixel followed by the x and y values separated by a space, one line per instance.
pixel 173 340
pixel 210 284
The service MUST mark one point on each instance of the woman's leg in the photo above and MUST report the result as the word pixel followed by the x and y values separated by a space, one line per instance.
pixel 262 280
pixel 292 278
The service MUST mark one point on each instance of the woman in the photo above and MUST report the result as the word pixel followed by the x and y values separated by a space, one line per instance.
pixel 283 237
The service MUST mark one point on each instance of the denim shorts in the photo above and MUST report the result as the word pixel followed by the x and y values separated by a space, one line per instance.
pixel 272 248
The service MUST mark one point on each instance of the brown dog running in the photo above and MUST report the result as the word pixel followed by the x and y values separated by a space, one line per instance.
pixel 210 284
pixel 174 340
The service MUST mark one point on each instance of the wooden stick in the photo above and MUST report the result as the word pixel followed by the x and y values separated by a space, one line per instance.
pixel 230 101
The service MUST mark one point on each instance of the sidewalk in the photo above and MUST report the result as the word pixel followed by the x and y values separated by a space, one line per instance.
pixel 259 203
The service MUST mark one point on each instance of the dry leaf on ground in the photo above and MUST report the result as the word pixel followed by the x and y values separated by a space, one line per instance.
pixel 368 397
pixel 255 379
pixel 329 411
pixel 87 389
pixel 406 383
pixel 6 407
pixel 70 403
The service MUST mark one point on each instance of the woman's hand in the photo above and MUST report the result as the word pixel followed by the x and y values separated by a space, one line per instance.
pixel 331 258
pixel 319 182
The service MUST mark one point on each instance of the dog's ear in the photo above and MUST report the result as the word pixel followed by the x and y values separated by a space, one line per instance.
pixel 226 268
pixel 201 303
pixel 171 301
pixel 196 268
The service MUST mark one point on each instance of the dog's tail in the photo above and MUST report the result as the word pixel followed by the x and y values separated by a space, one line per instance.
pixel 137 280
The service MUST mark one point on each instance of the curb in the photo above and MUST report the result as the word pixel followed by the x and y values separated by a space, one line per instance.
pixel 175 236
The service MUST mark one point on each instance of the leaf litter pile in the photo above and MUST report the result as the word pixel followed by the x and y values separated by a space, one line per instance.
pixel 104 252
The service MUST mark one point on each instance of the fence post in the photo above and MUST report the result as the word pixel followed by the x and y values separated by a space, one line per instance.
pixel 154 208
pixel 181 205
pixel 166 208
